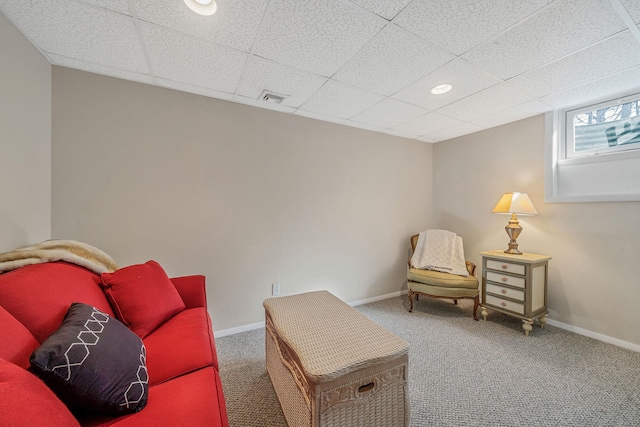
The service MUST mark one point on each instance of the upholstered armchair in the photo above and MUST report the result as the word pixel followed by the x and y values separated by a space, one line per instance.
pixel 436 284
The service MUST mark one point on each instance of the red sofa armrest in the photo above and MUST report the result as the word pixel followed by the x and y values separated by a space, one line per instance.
pixel 192 290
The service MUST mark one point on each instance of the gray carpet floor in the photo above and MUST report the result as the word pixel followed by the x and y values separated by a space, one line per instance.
pixel 467 373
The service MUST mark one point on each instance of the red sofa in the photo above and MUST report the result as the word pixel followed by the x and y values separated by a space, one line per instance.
pixel 184 386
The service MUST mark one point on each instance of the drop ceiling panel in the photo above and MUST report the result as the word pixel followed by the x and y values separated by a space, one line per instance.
pixel 398 57
pixel 426 124
pixel 633 9
pixel 192 61
pixel 611 56
pixel 460 25
pixel 362 126
pixel 318 116
pixel 234 24
pixel 183 87
pixel 316 36
pixel 385 8
pixel 263 104
pixel 340 100
pixel 120 6
pixel 491 100
pixel 465 78
pixel 364 63
pixel 627 81
pixel 558 30
pixel 262 74
pixel 80 31
pixel 454 132
pixel 519 112
pixel 99 69
pixel 388 113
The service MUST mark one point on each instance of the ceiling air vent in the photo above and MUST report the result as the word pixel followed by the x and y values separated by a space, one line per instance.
pixel 272 97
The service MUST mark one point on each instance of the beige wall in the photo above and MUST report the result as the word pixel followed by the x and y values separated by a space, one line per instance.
pixel 25 141
pixel 593 276
pixel 243 195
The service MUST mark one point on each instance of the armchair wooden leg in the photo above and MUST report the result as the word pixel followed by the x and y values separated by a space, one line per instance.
pixel 476 302
pixel 410 295
pixel 455 301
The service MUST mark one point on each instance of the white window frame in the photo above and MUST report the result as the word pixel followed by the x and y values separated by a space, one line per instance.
pixel 568 148
pixel 606 175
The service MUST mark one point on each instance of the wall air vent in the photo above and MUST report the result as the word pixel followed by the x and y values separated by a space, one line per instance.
pixel 272 97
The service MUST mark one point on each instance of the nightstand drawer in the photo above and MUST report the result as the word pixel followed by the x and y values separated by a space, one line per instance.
pixel 505 292
pixel 505 279
pixel 506 305
pixel 505 266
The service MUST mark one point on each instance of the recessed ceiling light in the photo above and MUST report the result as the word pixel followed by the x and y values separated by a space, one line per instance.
pixel 202 7
pixel 440 89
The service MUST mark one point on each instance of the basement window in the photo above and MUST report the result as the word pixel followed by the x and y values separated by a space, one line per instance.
pixel 608 127
pixel 593 152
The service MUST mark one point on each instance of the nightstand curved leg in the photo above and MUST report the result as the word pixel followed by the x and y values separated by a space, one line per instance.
pixel 543 321
pixel 527 325
pixel 484 313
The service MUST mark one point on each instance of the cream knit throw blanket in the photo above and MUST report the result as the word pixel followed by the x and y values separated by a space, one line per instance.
pixel 440 250
pixel 58 250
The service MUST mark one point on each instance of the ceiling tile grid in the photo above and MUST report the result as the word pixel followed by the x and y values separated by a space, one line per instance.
pixel 192 61
pixel 99 69
pixel 457 26
pixel 398 57
pixel 465 78
pixel 262 74
pixel 427 124
pixel 79 31
pixel 234 24
pixel 606 87
pixel 563 27
pixel 316 36
pixel 518 112
pixel 454 132
pixel 610 56
pixel 388 113
pixel 488 101
pixel 340 100
pixel 369 64
pixel 388 9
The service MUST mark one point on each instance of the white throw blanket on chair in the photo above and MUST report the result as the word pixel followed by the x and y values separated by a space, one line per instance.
pixel 440 250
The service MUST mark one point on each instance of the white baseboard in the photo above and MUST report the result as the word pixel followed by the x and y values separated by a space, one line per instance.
pixel 600 337
pixel 250 327
pixel 378 298
pixel 595 335
pixel 238 329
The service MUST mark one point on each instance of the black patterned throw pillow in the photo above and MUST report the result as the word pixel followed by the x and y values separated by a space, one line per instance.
pixel 94 363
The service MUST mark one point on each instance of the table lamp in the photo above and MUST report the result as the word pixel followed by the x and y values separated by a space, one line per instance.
pixel 514 203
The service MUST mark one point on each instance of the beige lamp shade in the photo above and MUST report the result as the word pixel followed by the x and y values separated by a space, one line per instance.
pixel 515 203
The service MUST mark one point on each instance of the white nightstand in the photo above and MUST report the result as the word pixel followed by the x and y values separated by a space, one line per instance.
pixel 515 285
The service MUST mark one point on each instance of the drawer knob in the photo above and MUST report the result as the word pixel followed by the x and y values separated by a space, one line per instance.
pixel 504 304
pixel 504 291
pixel 504 279
pixel 505 266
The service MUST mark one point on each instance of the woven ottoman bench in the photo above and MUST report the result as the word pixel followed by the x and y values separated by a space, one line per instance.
pixel 331 366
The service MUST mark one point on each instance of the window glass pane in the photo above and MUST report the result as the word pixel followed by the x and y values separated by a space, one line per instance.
pixel 610 128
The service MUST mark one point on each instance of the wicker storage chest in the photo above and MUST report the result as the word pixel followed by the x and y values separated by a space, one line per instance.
pixel 331 366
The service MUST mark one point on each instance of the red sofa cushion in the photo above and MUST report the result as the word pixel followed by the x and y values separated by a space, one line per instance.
pixel 183 401
pixel 25 401
pixel 39 295
pixel 183 344
pixel 16 342
pixel 142 296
